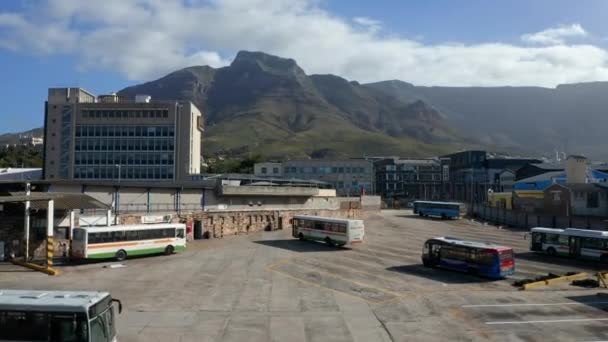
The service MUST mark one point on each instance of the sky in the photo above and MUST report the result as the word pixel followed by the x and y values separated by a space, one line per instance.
pixel 106 45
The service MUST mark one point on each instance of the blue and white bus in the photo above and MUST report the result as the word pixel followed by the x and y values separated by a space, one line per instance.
pixel 445 210
pixel 484 259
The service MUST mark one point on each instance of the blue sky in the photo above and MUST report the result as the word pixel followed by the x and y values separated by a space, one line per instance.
pixel 104 46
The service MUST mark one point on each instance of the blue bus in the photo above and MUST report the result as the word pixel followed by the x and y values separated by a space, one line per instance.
pixel 445 210
pixel 484 259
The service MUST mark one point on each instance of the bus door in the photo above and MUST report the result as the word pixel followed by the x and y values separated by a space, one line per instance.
pixel 294 228
pixel 434 254
pixel 575 246
pixel 536 243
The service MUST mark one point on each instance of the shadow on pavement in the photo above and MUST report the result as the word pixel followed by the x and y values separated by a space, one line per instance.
pixel 7 267
pixel 560 261
pixel 300 246
pixel 438 274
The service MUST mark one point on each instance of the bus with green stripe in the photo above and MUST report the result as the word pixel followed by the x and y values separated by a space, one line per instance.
pixel 333 231
pixel 122 241
pixel 570 242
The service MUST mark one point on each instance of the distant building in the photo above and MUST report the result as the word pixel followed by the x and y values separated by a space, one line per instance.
pixel 268 169
pixel 473 173
pixel 18 174
pixel 350 177
pixel 409 179
pixel 535 169
pixel 113 138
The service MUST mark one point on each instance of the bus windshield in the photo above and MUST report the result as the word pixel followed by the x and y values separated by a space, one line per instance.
pixel 102 327
pixel 43 326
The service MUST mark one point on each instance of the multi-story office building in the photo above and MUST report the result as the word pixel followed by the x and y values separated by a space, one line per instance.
pixel 350 177
pixel 409 179
pixel 113 138
pixel 473 173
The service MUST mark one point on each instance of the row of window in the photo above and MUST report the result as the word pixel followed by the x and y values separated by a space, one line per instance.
pixel 124 131
pixel 124 144
pixel 412 177
pixel 107 158
pixel 325 170
pixel 126 172
pixel 135 235
pixel 125 113
pixel 321 225
pixel 556 239
pixel 467 254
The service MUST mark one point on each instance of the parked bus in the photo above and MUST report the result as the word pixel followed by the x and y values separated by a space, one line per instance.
pixel 118 242
pixel 334 231
pixel 583 243
pixel 478 258
pixel 445 210
pixel 74 316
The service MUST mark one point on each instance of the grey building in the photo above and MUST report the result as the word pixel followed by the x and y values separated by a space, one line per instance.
pixel 410 179
pixel 473 173
pixel 350 177
pixel 114 138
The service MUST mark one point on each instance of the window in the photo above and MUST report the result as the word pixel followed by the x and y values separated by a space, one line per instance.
pixel 593 200
pixel 264 170
pixel 556 196
pixel 275 170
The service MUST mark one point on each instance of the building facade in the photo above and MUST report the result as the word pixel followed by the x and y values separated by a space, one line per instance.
pixel 473 173
pixel 410 179
pixel 268 169
pixel 113 138
pixel 350 177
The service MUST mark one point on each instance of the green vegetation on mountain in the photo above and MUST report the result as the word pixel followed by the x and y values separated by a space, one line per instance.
pixel 20 156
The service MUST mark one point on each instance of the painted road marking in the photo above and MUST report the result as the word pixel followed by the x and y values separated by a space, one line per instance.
pixel 549 321
pixel 529 304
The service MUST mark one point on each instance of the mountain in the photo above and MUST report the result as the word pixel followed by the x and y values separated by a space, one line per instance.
pixel 16 137
pixel 570 118
pixel 268 105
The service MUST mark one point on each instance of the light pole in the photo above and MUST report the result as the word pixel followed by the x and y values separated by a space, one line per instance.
pixel 118 166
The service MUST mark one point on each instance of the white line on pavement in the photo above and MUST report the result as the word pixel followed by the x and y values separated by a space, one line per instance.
pixel 549 321
pixel 529 304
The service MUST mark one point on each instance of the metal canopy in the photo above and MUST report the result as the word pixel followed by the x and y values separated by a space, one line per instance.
pixel 63 201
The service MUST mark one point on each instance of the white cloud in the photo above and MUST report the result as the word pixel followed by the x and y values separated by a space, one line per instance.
pixel 555 35
pixel 145 39
pixel 370 24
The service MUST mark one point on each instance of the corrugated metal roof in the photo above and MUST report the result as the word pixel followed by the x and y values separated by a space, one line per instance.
pixel 62 200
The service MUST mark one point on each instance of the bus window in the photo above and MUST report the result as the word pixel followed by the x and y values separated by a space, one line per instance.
pixel 552 239
pixel 181 233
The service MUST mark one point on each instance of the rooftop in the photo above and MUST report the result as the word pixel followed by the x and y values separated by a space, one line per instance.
pixel 64 301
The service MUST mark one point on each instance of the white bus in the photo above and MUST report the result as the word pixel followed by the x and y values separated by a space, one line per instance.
pixel 74 316
pixel 122 241
pixel 334 231
pixel 590 244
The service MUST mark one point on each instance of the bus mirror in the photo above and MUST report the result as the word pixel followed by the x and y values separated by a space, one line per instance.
pixel 119 304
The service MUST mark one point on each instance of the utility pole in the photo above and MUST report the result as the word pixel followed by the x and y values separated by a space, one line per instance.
pixel 26 223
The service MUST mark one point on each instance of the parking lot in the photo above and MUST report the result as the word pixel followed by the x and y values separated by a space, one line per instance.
pixel 270 287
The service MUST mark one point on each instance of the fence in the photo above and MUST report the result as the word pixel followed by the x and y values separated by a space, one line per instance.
pixel 522 219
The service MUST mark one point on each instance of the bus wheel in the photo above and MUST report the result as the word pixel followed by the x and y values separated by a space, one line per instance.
pixel 301 237
pixel 551 251
pixel 329 242
pixel 443 216
pixel 604 259
pixel 169 250
pixel 420 214
pixel 120 255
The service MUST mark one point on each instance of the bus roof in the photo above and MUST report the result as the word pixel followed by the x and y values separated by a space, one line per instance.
pixel 132 227
pixel 458 242
pixel 58 301
pixel 329 219
pixel 438 202
pixel 573 232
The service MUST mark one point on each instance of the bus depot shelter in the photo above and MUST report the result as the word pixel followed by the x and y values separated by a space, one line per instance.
pixel 51 203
